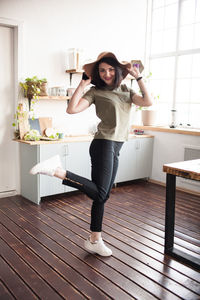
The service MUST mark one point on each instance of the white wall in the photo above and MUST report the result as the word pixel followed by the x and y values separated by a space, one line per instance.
pixel 51 27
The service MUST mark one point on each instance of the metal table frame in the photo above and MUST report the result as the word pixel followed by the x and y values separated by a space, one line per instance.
pixel 170 222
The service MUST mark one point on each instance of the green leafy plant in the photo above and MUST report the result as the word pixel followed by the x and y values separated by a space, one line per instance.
pixel 32 135
pixel 54 136
pixel 19 116
pixel 32 88
pixel 16 117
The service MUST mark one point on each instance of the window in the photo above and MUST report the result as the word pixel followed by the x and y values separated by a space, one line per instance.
pixel 174 59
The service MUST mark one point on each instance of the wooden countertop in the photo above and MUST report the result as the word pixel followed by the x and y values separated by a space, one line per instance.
pixel 188 169
pixel 73 139
pixel 178 130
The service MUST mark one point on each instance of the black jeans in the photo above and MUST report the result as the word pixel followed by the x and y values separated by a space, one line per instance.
pixel 104 161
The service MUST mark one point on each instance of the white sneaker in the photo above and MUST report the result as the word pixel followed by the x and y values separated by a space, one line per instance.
pixel 98 247
pixel 47 167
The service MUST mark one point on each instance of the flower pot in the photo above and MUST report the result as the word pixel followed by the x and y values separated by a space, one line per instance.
pixel 149 117
pixel 43 89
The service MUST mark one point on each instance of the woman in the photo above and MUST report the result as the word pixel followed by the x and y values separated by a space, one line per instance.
pixel 113 105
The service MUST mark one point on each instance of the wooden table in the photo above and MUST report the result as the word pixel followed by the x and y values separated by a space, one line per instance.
pixel 187 169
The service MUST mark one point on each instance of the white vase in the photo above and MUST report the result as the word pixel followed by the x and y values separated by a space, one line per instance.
pixel 149 117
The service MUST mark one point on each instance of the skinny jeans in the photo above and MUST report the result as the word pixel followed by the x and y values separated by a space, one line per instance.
pixel 104 164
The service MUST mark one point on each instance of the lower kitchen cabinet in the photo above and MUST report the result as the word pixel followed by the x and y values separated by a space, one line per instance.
pixel 74 157
pixel 135 159
pixel 135 162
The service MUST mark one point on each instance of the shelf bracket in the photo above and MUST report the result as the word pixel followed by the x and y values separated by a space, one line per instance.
pixel 70 78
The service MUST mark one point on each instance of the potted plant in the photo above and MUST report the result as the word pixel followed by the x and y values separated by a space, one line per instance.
pixel 33 87
pixel 149 114
pixel 43 87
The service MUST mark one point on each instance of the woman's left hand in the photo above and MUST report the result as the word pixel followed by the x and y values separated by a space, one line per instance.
pixel 134 71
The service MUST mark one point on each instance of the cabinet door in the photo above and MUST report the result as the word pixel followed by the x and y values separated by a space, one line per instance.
pixel 135 159
pixel 78 159
pixel 74 157
pixel 144 154
pixel 30 185
pixel 127 162
pixel 51 185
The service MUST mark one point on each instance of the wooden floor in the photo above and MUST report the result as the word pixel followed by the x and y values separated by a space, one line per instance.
pixel 42 254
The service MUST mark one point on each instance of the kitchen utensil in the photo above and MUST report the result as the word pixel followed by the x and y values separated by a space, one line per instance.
pixel 23 121
pixel 45 122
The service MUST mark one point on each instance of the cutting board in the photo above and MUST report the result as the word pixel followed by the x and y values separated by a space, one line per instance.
pixel 23 121
pixel 45 122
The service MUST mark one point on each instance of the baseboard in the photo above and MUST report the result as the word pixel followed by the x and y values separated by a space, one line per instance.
pixel 178 188
pixel 8 194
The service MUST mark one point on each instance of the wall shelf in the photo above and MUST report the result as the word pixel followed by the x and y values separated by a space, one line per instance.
pixel 73 71
pixel 54 98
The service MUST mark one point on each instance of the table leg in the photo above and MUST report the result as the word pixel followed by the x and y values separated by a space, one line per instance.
pixel 170 212
pixel 169 226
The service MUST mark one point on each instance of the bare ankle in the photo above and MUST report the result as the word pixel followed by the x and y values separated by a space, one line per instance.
pixel 60 173
pixel 95 236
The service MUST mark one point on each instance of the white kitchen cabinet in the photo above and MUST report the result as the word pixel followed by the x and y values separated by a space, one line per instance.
pixel 78 159
pixel 135 162
pixel 50 185
pixel 74 157
pixel 144 154
pixel 135 159
pixel 127 161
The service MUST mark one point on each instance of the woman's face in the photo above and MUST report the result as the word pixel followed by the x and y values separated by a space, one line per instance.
pixel 107 73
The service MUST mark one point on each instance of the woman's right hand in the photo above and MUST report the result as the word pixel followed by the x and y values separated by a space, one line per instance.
pixel 86 82
pixel 77 103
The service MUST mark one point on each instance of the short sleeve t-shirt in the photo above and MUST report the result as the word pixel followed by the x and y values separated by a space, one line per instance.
pixel 113 108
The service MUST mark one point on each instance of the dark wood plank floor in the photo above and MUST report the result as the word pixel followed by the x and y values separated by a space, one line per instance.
pixel 42 254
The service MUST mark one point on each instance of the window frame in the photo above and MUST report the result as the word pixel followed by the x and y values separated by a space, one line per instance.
pixel 176 53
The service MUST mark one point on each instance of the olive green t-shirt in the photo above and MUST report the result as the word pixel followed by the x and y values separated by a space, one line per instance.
pixel 113 108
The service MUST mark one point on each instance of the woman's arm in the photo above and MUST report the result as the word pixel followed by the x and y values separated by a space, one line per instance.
pixel 145 99
pixel 77 103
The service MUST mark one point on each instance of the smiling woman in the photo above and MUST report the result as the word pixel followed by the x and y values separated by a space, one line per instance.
pixel 113 102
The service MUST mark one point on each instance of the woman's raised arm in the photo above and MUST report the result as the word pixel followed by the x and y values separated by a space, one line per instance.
pixel 77 103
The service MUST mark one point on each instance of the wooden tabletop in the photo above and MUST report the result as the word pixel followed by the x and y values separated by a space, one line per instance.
pixel 188 169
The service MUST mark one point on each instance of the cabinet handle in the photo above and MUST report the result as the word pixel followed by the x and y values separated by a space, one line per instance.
pixel 137 146
pixel 66 151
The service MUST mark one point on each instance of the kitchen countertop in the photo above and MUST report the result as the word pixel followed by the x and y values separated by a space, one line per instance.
pixel 179 130
pixel 72 139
